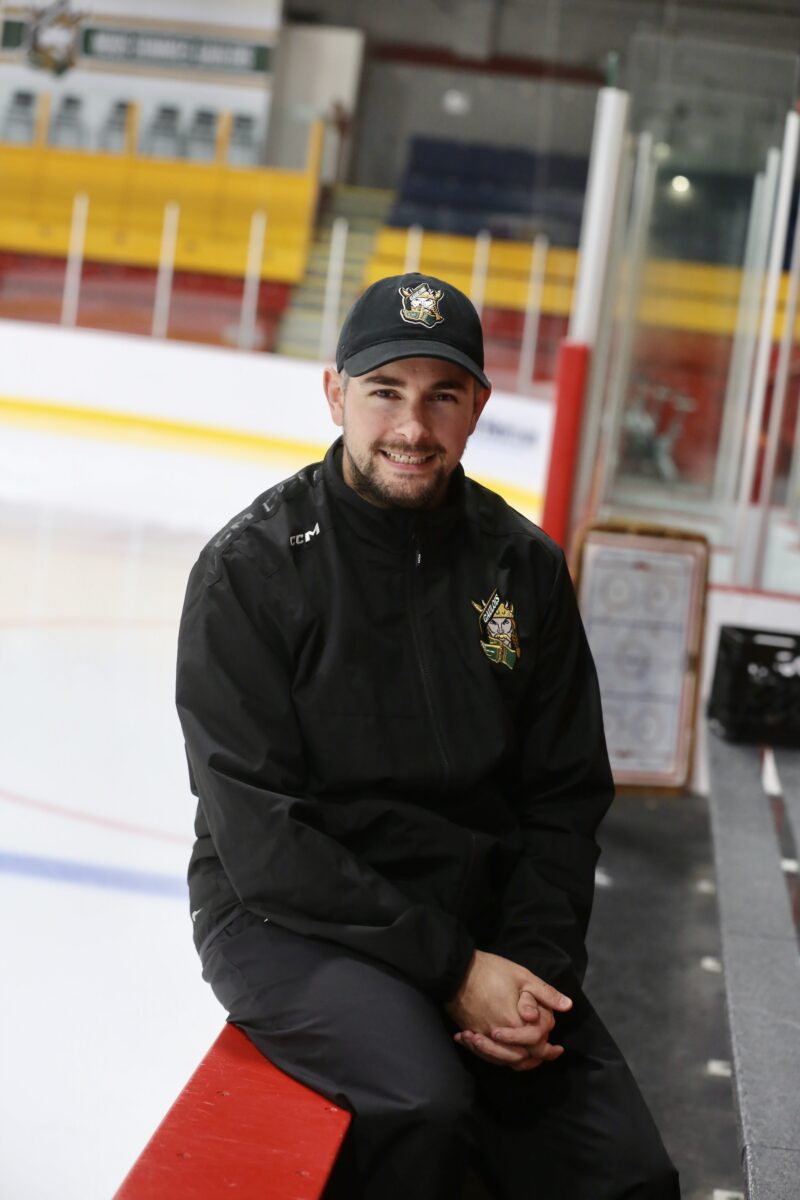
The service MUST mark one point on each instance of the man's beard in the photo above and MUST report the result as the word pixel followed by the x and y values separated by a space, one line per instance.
pixel 367 482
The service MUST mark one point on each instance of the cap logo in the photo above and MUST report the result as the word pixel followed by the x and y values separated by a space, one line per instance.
pixel 421 305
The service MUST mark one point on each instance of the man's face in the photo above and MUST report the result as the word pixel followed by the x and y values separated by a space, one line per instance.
pixel 405 426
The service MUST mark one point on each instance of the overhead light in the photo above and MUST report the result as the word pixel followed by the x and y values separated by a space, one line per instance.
pixel 680 185
pixel 456 103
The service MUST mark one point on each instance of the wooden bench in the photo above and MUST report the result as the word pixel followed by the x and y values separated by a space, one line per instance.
pixel 239 1127
pixel 761 961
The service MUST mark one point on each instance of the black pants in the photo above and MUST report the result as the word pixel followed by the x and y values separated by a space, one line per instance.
pixel 423 1108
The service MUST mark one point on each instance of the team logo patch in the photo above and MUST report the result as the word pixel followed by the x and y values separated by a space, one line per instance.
pixel 498 626
pixel 421 305
pixel 52 39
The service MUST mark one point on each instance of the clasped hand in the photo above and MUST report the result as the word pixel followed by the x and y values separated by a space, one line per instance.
pixel 505 1014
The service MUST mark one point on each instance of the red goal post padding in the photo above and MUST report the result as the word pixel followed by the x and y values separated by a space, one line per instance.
pixel 240 1126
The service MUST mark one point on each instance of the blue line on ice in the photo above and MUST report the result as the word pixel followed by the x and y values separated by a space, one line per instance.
pixel 63 870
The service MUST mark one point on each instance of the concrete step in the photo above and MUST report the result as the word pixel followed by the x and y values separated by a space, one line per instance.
pixel 357 245
pixel 311 301
pixel 319 258
pixel 361 202
pixel 364 209
pixel 305 323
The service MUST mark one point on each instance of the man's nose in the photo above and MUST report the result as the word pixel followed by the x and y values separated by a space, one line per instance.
pixel 414 423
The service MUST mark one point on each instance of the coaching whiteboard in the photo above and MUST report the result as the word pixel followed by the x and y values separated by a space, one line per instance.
pixel 641 596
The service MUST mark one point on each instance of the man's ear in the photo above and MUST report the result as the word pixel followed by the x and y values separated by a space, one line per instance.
pixel 481 396
pixel 334 394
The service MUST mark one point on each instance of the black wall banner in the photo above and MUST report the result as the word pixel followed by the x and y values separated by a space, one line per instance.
pixel 142 48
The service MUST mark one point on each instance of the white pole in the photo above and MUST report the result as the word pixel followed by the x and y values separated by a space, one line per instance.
pixel 533 313
pixel 166 265
pixel 480 269
pixel 252 281
pixel 730 451
pixel 742 550
pixel 754 300
pixel 643 189
pixel 413 248
pixel 776 409
pixel 598 417
pixel 333 289
pixel 72 275
pixel 793 488
pixel 608 139
pixel 741 360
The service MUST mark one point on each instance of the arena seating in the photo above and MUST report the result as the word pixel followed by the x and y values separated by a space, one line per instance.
pixel 760 959
pixel 127 195
pixel 464 187
pixel 239 1127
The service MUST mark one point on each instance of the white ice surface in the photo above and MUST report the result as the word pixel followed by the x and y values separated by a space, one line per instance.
pixel 103 1014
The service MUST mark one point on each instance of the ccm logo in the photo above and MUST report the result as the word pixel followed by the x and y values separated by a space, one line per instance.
pixel 298 539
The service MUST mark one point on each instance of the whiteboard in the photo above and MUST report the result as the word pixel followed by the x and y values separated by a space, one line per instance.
pixel 641 592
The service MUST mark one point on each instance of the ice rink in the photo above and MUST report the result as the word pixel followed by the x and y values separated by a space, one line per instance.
pixel 103 1013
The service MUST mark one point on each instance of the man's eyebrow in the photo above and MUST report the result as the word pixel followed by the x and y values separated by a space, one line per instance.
pixel 439 385
pixel 453 385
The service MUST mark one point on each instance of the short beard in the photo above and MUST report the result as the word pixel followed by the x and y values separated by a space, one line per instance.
pixel 370 487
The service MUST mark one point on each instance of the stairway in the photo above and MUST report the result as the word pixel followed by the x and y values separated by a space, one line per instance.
pixel 365 211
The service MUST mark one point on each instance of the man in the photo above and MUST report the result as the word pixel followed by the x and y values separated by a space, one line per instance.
pixel 394 732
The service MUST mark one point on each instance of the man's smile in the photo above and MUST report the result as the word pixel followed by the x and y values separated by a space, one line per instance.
pixel 404 459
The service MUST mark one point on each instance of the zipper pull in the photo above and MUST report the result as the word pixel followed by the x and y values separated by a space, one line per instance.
pixel 416 545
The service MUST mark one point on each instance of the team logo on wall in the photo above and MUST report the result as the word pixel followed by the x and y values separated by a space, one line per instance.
pixel 498 626
pixel 421 305
pixel 53 37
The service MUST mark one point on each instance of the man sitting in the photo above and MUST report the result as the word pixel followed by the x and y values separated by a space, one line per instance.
pixel 394 732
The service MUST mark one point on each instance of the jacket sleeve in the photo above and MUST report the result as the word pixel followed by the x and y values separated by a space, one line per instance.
pixel 565 789
pixel 246 756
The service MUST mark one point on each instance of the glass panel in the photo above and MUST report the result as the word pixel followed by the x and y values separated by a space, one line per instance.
pixel 686 308
pixel 776 561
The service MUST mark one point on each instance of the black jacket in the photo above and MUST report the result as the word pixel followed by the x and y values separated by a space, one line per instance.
pixel 393 729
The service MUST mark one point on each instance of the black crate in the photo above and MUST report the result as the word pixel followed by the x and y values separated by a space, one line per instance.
pixel 755 696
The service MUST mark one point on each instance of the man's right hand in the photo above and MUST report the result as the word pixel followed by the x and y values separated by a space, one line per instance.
pixel 505 1012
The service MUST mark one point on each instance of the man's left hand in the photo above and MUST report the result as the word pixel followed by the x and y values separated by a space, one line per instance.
pixel 522 1048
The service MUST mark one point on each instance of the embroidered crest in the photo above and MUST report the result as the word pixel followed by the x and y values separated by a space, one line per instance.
pixel 421 305
pixel 499 627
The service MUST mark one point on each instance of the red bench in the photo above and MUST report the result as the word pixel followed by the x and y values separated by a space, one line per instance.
pixel 240 1127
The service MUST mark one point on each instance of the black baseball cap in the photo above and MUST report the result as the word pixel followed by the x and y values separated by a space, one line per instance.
pixel 411 316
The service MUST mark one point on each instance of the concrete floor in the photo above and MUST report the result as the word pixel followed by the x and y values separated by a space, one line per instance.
pixel 655 978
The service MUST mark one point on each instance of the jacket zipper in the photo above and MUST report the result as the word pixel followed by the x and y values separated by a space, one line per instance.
pixel 423 668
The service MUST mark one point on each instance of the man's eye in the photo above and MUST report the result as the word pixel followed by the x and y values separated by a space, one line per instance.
pixel 444 396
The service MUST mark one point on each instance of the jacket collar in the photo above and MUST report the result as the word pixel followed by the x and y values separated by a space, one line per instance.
pixel 392 528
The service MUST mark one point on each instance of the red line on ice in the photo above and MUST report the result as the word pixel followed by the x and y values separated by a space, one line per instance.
pixel 76 814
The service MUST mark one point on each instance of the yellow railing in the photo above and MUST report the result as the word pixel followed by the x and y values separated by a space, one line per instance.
pixel 700 297
pixel 127 196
